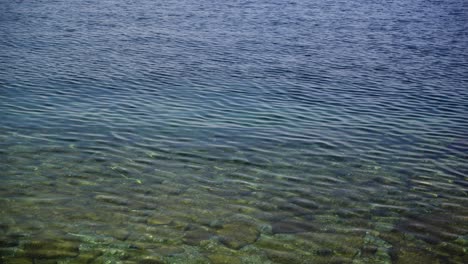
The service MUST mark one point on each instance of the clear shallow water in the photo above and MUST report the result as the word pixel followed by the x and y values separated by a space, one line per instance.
pixel 240 132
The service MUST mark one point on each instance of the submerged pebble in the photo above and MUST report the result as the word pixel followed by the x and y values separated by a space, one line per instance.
pixel 238 234
pixel 223 259
pixel 15 260
pixel 111 199
pixel 194 237
pixel 291 226
pixel 8 242
pixel 152 260
pixel 159 220
pixel 413 256
pixel 282 257
pixel 50 249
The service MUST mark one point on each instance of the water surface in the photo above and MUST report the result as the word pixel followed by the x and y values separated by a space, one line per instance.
pixel 233 131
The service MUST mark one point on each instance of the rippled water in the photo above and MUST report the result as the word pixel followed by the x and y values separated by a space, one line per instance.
pixel 233 131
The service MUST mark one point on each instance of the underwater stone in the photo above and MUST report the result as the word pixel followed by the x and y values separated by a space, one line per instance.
pixel 413 256
pixel 194 237
pixel 143 245
pixel 81 182
pixel 324 252
pixel 172 190
pixel 50 261
pixel 121 234
pixel 263 206
pixel 13 260
pixel 47 254
pixel 50 249
pixel 216 224
pixel 192 255
pixel 291 226
pixel 369 250
pixel 383 226
pixel 86 257
pixel 111 199
pixel 6 222
pixel 304 203
pixel 270 243
pixel 343 245
pixel 152 260
pixel 238 234
pixel 106 260
pixel 180 225
pixel 452 249
pixel 223 259
pixel 210 245
pixel 4 252
pixel 169 251
pixel 245 209
pixel 462 241
pixel 8 242
pixel 159 220
pixel 294 209
pixel 266 229
pixel 115 253
pixel 282 257
pixel 374 250
pixel 346 213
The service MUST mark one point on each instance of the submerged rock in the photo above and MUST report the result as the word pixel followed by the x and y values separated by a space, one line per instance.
pixel 194 237
pixel 111 199
pixel 291 226
pixel 238 234
pixel 266 229
pixel 308 204
pixel 294 209
pixel 120 234
pixel 270 243
pixel 462 241
pixel 8 242
pixel 374 250
pixel 13 260
pixel 152 260
pixel 413 256
pixel 169 250
pixel 9 252
pixel 452 249
pixel 216 223
pixel 328 243
pixel 159 220
pixel 51 249
pixel 87 257
pixel 283 257
pixel 224 259
pixel 431 228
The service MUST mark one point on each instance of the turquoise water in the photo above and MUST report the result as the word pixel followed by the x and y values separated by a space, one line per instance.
pixel 233 132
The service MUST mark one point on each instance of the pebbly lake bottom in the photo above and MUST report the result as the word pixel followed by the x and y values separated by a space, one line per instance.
pixel 73 204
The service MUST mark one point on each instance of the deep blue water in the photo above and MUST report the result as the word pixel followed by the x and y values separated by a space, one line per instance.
pixel 322 131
